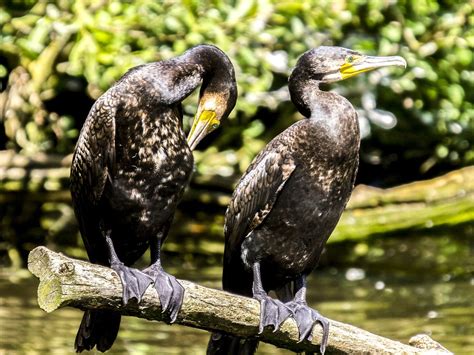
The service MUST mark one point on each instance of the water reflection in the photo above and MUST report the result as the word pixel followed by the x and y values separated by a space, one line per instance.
pixel 396 298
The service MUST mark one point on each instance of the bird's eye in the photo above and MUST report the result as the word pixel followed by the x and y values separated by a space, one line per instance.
pixel 350 59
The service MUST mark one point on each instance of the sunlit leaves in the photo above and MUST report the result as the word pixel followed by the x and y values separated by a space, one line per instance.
pixel 109 37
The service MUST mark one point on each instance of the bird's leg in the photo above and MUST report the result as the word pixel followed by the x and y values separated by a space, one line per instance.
pixel 272 312
pixel 134 282
pixel 305 316
pixel 169 290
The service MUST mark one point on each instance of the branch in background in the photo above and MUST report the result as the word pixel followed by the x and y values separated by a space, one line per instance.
pixel 443 201
pixel 68 282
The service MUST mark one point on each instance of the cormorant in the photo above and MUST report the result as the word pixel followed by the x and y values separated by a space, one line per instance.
pixel 130 167
pixel 291 197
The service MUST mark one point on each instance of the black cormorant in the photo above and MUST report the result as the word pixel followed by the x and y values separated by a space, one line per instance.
pixel 130 167
pixel 291 197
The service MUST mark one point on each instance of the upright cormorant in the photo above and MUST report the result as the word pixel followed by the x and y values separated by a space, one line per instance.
pixel 291 197
pixel 130 167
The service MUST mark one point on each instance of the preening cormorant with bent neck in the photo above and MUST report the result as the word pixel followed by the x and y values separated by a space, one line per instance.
pixel 129 170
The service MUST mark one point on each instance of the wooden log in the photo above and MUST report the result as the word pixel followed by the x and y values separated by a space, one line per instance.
pixel 68 282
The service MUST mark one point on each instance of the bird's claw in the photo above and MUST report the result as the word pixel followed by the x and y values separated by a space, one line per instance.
pixel 169 290
pixel 306 318
pixel 272 312
pixel 134 282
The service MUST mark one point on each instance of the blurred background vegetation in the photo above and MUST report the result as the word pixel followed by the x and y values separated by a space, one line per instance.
pixel 58 57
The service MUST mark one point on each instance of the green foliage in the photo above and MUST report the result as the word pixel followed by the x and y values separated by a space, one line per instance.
pixel 99 41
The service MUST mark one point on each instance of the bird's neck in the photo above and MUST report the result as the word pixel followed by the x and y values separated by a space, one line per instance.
pixel 317 104
pixel 212 65
pixel 209 60
pixel 175 79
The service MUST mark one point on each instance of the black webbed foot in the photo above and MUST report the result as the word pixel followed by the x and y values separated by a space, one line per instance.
pixel 272 312
pixel 169 290
pixel 306 318
pixel 134 282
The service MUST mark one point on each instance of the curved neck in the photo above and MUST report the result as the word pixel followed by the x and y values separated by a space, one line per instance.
pixel 178 77
pixel 169 82
pixel 311 101
pixel 210 60
pixel 302 91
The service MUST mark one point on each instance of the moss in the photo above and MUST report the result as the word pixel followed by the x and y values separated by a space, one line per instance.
pixel 49 295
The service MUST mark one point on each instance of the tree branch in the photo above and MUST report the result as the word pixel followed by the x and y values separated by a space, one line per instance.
pixel 68 282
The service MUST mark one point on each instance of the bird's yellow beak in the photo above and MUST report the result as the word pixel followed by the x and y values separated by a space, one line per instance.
pixel 203 124
pixel 362 64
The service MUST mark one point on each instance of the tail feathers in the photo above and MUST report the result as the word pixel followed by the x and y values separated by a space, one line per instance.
pixel 238 280
pixel 235 277
pixel 98 328
pixel 223 344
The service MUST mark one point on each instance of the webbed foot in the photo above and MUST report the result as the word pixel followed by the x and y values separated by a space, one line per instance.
pixel 134 282
pixel 272 312
pixel 169 290
pixel 306 318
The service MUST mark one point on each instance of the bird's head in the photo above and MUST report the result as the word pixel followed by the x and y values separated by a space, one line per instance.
pixel 217 99
pixel 212 109
pixel 330 64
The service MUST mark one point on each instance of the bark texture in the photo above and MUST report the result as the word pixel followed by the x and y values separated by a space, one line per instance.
pixel 69 282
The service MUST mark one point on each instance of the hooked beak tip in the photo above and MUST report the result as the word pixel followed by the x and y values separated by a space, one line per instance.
pixel 192 145
pixel 401 62
pixel 192 140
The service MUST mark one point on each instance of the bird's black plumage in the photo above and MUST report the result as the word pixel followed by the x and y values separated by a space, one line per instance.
pixel 290 199
pixel 130 166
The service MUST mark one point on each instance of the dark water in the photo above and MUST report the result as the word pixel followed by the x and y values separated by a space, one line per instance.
pixel 396 287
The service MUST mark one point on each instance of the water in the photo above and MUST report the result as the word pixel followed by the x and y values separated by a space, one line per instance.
pixel 410 285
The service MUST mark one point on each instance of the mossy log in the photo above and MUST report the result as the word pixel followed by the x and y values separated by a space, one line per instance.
pixel 68 282
pixel 444 201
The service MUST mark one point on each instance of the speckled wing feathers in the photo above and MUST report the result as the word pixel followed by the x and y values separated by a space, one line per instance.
pixel 95 154
pixel 256 194
pixel 93 162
